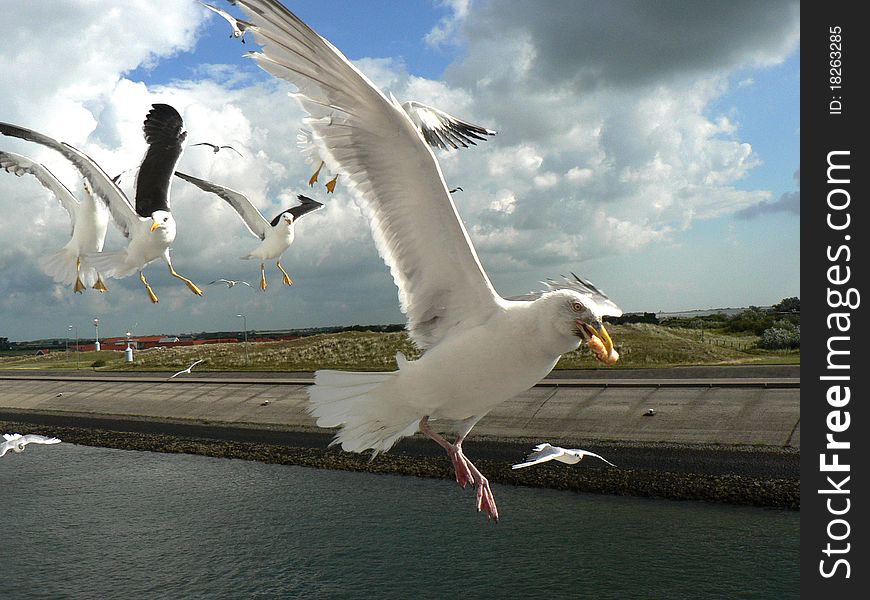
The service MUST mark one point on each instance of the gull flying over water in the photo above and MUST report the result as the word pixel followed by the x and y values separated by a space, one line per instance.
pixel 185 371
pixel 544 452
pixel 89 221
pixel 276 236
pixel 215 148
pixel 16 442
pixel 149 225
pixel 480 349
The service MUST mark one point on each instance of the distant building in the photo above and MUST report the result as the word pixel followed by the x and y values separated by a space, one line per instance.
pixel 43 352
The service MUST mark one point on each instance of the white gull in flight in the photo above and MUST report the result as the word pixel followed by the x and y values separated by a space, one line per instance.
pixel 276 235
pixel 544 452
pixel 89 222
pixel 479 349
pixel 149 225
pixel 238 25
pixel 16 442
pixel 187 370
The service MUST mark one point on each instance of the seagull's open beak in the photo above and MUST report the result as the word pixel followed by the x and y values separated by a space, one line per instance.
pixel 154 226
pixel 605 337
pixel 599 342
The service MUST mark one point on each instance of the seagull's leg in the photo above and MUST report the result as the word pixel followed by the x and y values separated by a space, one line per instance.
pixel 330 185
pixel 460 464
pixel 100 285
pixel 465 470
pixel 79 287
pixel 287 280
pixel 314 177
pixel 263 283
pixel 485 499
pixel 151 293
pixel 193 287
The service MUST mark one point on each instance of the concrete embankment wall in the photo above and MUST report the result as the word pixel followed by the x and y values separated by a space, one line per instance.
pixel 708 411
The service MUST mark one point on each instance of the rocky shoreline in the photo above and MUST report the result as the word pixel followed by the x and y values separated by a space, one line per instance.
pixel 741 475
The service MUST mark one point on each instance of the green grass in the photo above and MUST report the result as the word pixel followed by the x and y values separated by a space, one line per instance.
pixel 640 345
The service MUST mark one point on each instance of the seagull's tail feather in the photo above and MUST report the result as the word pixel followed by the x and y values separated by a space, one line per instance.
pixel 112 264
pixel 61 267
pixel 361 406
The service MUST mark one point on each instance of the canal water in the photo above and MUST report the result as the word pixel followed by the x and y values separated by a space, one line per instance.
pixel 84 522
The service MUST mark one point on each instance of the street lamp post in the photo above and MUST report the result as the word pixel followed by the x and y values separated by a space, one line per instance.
pixel 97 335
pixel 245 325
pixel 76 327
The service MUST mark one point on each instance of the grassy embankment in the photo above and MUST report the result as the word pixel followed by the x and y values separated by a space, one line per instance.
pixel 641 346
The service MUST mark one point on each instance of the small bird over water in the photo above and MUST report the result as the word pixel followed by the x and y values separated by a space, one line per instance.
pixel 544 452
pixel 16 442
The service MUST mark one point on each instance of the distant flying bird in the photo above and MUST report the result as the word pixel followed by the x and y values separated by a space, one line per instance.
pixel 216 148
pixel 149 225
pixel 16 442
pixel 277 235
pixel 89 221
pixel 479 349
pixel 238 25
pixel 231 283
pixel 544 452
pixel 439 129
pixel 187 370
pixel 457 188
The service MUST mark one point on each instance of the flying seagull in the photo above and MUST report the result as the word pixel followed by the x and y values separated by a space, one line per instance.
pixel 89 221
pixel 231 283
pixel 238 25
pixel 187 370
pixel 149 225
pixel 439 129
pixel 544 452
pixel 479 349
pixel 16 442
pixel 215 148
pixel 276 236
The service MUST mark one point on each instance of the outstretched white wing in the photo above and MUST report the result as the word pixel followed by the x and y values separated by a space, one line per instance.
pixel 442 130
pixel 32 438
pixel 19 165
pixel 104 188
pixel 541 453
pixel 251 217
pixel 362 134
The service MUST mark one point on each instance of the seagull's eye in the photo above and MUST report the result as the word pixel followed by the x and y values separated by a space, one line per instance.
pixel 576 307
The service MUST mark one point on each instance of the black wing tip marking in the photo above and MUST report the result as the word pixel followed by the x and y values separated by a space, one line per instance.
pixel 164 125
pixel 308 205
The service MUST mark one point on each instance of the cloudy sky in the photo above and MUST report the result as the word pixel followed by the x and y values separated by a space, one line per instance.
pixel 650 147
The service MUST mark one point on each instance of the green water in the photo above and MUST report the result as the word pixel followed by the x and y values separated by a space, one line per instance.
pixel 81 522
